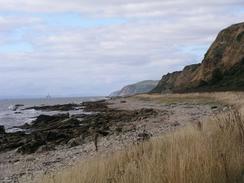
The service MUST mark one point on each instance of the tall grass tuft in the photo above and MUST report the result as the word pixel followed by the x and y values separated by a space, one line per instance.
pixel 212 151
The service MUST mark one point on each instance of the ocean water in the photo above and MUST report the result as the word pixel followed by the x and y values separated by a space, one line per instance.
pixel 10 118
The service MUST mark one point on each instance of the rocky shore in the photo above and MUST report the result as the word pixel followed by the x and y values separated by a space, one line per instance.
pixel 46 132
pixel 50 143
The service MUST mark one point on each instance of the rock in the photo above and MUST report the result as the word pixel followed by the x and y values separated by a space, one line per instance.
pixel 119 129
pixel 148 111
pixel 54 135
pixel 2 130
pixel 175 124
pixel 79 115
pixel 97 106
pixel 129 128
pixel 53 117
pixel 59 107
pixel 225 109
pixel 143 136
pixel 25 126
pixel 214 107
pixel 75 142
pixel 102 132
pixel 123 101
pixel 61 129
pixel 30 147
pixel 45 121
pixel 19 105
pixel 68 123
pixel 45 148
pixel 15 107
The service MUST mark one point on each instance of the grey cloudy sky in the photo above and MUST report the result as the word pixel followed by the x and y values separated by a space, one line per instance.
pixel 84 48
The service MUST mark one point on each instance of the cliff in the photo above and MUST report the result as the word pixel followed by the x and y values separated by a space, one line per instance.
pixel 221 69
pixel 140 87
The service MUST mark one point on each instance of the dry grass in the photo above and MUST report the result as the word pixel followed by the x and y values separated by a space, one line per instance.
pixel 177 98
pixel 210 152
pixel 227 97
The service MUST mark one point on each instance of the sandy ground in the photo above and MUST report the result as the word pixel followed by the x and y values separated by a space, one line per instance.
pixel 15 167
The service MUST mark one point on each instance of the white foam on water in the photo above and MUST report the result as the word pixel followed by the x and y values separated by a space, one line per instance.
pixel 10 118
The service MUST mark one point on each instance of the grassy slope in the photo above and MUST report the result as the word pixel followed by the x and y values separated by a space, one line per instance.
pixel 210 152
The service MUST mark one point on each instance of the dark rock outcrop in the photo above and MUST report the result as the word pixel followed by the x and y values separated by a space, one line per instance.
pixel 46 132
pixel 221 69
pixel 2 130
pixel 59 107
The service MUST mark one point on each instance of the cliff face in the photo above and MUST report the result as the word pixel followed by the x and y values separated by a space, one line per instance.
pixel 221 69
pixel 140 87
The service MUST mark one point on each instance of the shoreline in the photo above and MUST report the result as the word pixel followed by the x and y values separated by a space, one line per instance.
pixel 171 115
pixel 12 113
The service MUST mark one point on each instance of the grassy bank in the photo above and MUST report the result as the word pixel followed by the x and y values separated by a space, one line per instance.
pixel 211 151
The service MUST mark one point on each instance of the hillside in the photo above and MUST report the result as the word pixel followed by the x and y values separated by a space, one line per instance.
pixel 140 87
pixel 221 69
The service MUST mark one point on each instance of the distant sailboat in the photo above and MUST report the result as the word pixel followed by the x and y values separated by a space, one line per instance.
pixel 48 96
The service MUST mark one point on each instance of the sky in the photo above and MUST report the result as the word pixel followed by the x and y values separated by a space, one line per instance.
pixel 89 48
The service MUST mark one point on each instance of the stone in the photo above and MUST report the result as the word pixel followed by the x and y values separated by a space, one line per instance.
pixel 75 142
pixel 29 147
pixel 2 130
pixel 175 124
pixel 143 136
pixel 79 115
pixel 59 107
pixel 214 107
pixel 45 148
pixel 54 135
pixel 225 109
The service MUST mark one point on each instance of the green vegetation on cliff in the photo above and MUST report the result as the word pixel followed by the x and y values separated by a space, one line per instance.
pixel 137 88
pixel 221 69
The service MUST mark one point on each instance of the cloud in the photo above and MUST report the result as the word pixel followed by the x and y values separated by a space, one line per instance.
pixel 92 48
pixel 116 7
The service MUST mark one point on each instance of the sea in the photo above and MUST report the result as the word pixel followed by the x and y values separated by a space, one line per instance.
pixel 10 118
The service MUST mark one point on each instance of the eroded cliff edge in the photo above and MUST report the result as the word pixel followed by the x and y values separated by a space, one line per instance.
pixel 221 69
